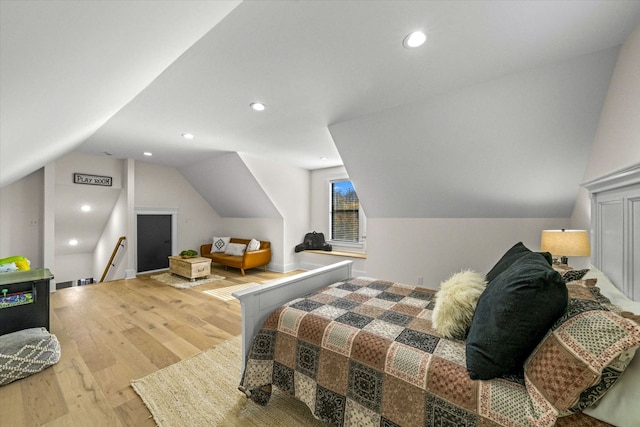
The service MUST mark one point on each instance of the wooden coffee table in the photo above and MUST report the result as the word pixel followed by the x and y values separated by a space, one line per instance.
pixel 190 268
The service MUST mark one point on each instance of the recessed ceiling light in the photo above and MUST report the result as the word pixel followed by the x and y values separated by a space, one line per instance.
pixel 188 136
pixel 258 106
pixel 148 154
pixel 85 208
pixel 73 242
pixel 415 39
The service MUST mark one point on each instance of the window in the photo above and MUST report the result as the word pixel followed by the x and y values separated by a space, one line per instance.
pixel 345 213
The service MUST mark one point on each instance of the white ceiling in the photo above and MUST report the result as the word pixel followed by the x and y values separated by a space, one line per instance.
pixel 316 63
pixel 67 67
pixel 512 147
pixel 128 77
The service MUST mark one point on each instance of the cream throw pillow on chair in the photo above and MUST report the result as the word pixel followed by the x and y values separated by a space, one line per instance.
pixel 219 244
pixel 456 302
pixel 253 245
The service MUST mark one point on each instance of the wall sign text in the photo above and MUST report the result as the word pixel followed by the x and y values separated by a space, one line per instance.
pixel 83 178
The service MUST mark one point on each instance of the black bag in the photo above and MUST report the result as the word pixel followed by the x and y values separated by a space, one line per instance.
pixel 313 241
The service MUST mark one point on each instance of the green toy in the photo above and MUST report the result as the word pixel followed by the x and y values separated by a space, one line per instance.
pixel 21 262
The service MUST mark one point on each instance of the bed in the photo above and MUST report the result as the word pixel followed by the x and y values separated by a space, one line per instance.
pixel 364 351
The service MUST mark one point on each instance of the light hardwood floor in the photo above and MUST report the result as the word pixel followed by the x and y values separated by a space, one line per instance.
pixel 111 333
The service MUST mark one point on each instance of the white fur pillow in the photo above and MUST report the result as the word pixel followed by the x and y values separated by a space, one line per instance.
pixel 455 303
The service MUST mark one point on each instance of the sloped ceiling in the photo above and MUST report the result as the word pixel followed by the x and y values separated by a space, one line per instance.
pixel 512 147
pixel 226 183
pixel 321 65
pixel 66 67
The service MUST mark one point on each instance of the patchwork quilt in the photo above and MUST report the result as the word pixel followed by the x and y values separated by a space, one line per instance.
pixel 363 352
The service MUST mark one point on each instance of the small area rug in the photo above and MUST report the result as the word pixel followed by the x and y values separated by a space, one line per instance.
pixel 182 282
pixel 225 293
pixel 203 391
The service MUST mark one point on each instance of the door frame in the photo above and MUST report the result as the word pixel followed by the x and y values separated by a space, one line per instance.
pixel 174 229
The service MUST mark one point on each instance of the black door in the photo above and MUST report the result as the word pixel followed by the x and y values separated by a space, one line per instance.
pixel 154 242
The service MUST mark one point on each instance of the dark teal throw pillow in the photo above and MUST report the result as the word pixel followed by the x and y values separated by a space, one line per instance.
pixel 513 254
pixel 513 314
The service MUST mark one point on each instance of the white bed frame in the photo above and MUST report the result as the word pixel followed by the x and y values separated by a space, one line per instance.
pixel 615 228
pixel 259 301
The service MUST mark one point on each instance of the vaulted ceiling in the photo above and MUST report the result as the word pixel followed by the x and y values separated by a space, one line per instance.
pixel 494 116
pixel 512 147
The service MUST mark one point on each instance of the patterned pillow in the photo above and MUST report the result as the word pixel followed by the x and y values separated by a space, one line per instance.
pixel 584 353
pixel 587 283
pixel 586 289
pixel 27 352
pixel 219 244
pixel 571 275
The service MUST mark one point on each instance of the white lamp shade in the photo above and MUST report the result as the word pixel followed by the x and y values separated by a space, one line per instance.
pixel 565 242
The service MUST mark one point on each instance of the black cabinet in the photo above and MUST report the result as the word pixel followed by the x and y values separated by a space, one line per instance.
pixel 24 300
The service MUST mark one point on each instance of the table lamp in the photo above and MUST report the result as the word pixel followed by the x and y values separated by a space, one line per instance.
pixel 564 243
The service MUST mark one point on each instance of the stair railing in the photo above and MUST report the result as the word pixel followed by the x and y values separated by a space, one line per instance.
pixel 110 264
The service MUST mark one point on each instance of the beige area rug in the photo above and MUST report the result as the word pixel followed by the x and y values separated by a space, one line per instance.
pixel 225 293
pixel 182 282
pixel 203 391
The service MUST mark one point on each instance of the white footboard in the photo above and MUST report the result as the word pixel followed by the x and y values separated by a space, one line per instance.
pixel 258 302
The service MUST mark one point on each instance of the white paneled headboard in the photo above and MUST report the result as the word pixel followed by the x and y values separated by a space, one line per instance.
pixel 615 226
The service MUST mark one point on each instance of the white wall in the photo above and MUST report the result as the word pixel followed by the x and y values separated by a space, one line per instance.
pixel 319 221
pixel 617 141
pixel 402 249
pixel 165 188
pixel 96 226
pixel 320 209
pixel 321 206
pixel 288 189
pixel 267 229
pixel 116 227
pixel 74 267
pixel 319 215
pixel 77 162
pixel 21 218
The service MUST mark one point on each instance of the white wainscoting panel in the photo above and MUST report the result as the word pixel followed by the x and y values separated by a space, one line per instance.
pixel 615 219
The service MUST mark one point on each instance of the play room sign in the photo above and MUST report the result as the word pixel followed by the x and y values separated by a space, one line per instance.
pixel 83 178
